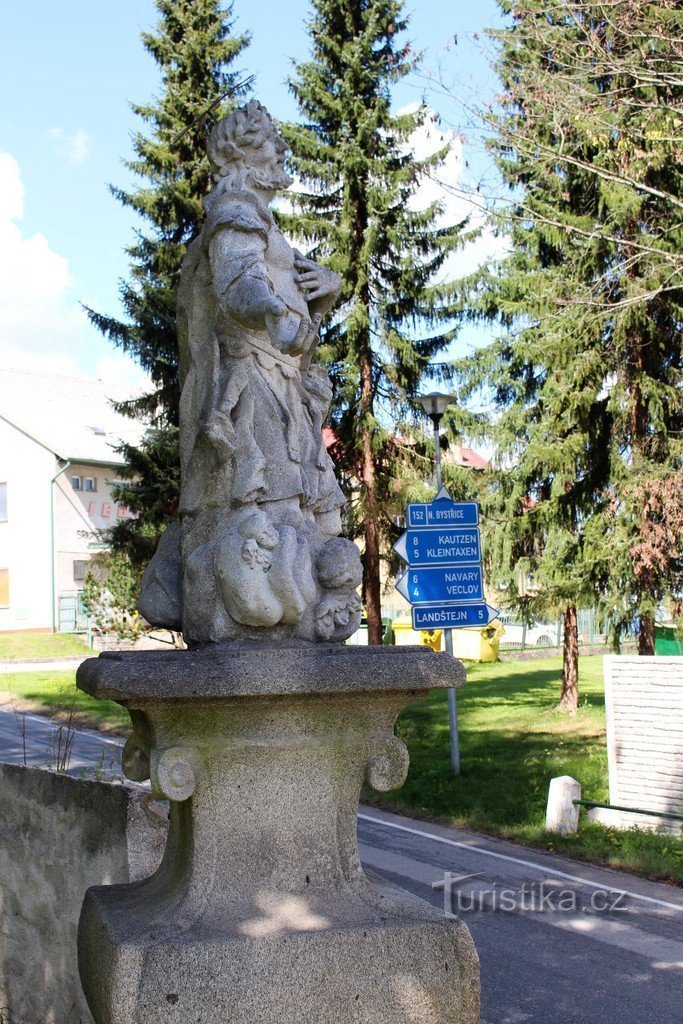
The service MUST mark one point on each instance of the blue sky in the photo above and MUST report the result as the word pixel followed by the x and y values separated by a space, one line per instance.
pixel 70 70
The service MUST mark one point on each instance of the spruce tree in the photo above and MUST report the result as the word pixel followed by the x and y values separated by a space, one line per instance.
pixel 196 52
pixel 587 372
pixel 353 209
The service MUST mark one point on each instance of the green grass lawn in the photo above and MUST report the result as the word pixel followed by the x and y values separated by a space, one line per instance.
pixel 27 646
pixel 55 692
pixel 512 742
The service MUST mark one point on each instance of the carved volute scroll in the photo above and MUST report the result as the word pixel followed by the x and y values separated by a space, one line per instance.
pixel 388 764
pixel 175 773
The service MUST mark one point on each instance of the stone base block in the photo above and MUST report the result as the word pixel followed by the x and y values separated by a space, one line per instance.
pixel 288 964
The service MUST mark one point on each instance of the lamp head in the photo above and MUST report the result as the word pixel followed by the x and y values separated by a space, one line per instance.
pixel 435 404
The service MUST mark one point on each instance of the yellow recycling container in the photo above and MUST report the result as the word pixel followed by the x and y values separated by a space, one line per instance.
pixel 405 634
pixel 478 643
pixel 431 638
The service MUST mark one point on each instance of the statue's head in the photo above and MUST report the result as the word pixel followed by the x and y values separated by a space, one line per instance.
pixel 338 564
pixel 246 149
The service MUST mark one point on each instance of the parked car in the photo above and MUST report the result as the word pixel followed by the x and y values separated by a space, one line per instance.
pixel 541 634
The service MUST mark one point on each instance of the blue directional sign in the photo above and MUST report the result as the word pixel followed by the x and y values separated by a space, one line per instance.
pixel 443 513
pixel 462 583
pixel 434 546
pixel 452 616
pixel 444 580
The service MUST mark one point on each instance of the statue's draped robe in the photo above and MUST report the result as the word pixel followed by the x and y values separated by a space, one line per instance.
pixel 259 412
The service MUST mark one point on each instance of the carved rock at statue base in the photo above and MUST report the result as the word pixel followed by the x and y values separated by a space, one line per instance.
pixel 160 596
pixel 259 497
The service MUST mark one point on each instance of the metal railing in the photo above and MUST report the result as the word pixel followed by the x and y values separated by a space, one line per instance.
pixel 629 810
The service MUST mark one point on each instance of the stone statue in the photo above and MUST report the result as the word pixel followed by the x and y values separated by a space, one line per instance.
pixel 260 505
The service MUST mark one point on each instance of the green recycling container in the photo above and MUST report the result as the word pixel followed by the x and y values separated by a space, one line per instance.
pixel 666 641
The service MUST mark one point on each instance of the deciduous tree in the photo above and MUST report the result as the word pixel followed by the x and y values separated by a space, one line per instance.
pixel 587 372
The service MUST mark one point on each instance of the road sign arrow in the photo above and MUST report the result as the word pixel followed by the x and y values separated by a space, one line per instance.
pixel 452 616
pixel 439 546
pixel 443 513
pixel 436 585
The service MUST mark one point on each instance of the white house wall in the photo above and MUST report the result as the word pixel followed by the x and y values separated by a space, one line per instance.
pixel 25 542
pixel 27 468
pixel 79 515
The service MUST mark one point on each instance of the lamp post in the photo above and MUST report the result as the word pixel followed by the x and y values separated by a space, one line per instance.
pixel 434 405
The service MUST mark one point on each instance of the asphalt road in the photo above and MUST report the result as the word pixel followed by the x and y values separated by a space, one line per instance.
pixel 38 741
pixel 560 942
pixel 606 947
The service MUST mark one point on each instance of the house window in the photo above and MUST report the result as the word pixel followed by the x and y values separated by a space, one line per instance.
pixel 80 569
pixel 3 503
pixel 90 483
pixel 4 588
pixel 76 483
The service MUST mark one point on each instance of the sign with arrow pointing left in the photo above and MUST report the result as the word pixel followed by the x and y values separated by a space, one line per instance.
pixel 442 583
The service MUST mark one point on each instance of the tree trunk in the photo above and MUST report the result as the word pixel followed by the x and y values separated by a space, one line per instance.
pixel 371 558
pixel 569 698
pixel 363 346
pixel 646 635
pixel 371 583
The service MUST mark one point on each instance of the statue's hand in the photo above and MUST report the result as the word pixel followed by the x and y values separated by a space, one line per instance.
pixel 293 334
pixel 317 281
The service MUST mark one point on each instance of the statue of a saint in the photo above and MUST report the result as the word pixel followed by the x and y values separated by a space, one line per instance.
pixel 258 548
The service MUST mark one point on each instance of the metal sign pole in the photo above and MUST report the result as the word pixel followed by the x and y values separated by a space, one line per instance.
pixel 452 711
pixel 448 633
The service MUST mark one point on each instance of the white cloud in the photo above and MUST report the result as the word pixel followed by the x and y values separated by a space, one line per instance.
pixel 34 279
pixel 42 324
pixel 123 377
pixel 444 185
pixel 75 147
pixel 61 363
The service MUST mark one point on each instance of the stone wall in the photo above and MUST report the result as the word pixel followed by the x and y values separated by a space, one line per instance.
pixel 644 704
pixel 59 836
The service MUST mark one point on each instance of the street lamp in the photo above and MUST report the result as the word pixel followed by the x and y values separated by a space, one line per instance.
pixel 434 405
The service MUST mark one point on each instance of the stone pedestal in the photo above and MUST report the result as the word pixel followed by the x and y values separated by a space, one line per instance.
pixel 261 910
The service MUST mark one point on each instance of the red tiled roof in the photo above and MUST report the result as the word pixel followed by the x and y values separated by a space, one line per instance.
pixel 468 458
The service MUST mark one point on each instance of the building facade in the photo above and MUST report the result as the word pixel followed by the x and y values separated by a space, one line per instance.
pixel 57 469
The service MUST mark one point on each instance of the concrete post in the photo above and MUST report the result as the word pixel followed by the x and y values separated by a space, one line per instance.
pixel 562 816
